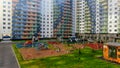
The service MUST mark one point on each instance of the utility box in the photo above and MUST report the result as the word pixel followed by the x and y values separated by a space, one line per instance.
pixel 111 51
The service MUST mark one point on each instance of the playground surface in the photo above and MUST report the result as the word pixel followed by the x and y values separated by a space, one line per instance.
pixel 51 48
pixel 56 49
pixel 32 53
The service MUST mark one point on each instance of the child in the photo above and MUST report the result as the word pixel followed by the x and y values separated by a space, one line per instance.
pixel 34 40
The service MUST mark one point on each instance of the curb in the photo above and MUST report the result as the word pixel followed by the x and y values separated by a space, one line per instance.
pixel 15 57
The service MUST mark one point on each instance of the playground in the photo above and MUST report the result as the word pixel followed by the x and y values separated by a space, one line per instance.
pixel 45 49
pixel 86 59
pixel 70 54
pixel 30 50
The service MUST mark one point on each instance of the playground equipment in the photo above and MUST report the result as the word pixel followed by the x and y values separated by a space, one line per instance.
pixel 24 44
pixel 41 46
pixel 38 45
pixel 111 51
pixel 28 44
pixel 76 40
pixel 72 40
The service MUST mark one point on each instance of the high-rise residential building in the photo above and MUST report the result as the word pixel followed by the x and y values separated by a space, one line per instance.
pixel 5 18
pixel 47 18
pixel 80 16
pixel 113 16
pixel 62 18
pixel 97 16
pixel 26 18
pixel 103 12
pixel 74 17
pixel 98 19
pixel 86 16
pixel 21 19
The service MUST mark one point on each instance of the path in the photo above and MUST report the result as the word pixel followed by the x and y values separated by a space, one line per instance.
pixel 7 57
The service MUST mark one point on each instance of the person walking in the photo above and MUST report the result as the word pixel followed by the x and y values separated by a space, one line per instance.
pixel 35 40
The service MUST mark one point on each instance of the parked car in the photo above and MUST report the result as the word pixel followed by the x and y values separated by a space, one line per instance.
pixel 72 39
pixel 6 38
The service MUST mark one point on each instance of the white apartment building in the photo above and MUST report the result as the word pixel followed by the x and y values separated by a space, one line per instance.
pixel 97 17
pixel 5 18
pixel 47 18
pixel 87 16
pixel 80 16
pixel 113 16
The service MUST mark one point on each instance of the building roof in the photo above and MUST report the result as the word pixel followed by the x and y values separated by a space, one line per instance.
pixel 113 44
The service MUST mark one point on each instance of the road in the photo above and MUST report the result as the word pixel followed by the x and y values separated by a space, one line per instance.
pixel 7 57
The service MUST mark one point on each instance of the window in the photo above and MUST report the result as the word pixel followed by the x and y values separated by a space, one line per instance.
pixel 115 25
pixel 119 56
pixel 8 23
pixel 4 23
pixel 4 6
pixel 8 2
pixel 8 6
pixel 3 27
pixel 119 50
pixel 115 16
pixel 4 19
pixel 8 15
pixel 112 52
pixel 8 27
pixel 8 10
pixel 110 30
pixel 115 30
pixel 8 19
pixel 4 14
pixel 4 2
pixel 115 12
pixel 115 8
pixel 4 10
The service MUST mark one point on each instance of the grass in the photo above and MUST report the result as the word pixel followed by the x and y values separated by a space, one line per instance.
pixel 87 59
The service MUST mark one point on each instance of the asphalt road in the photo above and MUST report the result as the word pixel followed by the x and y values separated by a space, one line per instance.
pixel 7 57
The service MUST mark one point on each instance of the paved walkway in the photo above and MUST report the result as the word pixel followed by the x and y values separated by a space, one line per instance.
pixel 7 57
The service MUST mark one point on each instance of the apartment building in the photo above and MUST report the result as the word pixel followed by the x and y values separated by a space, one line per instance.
pixel 26 18
pixel 21 19
pixel 5 18
pixel 103 25
pixel 47 18
pixel 62 18
pixel 113 16
pixel 74 17
pixel 101 18
pixel 87 16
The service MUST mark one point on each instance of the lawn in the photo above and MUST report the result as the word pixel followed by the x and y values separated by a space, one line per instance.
pixel 87 59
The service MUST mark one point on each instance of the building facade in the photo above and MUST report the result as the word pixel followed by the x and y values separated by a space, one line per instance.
pixel 74 17
pixel 5 18
pixel 103 25
pixel 87 19
pixel 47 18
pixel 26 18
pixel 101 19
pixel 97 16
pixel 21 19
pixel 62 18
pixel 113 16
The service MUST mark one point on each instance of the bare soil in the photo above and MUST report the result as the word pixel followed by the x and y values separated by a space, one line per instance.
pixel 32 53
